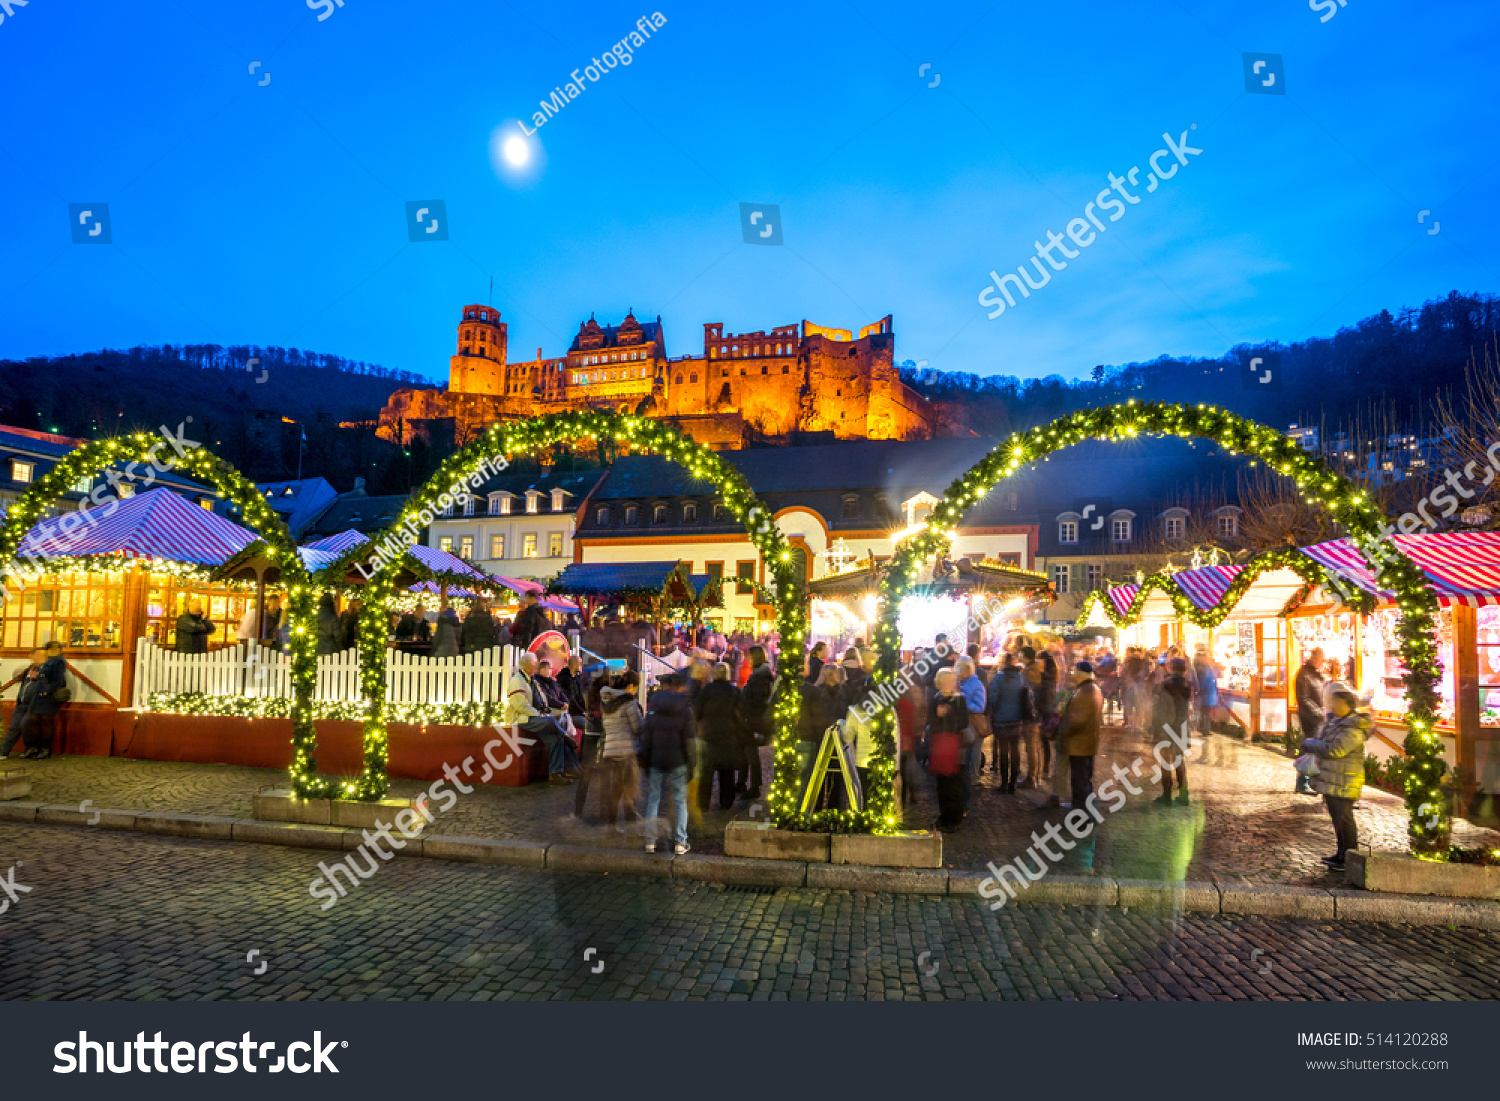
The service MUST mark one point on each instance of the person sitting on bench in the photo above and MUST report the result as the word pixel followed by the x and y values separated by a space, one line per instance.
pixel 528 709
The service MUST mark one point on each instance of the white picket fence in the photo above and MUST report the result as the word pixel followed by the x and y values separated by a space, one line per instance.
pixel 249 669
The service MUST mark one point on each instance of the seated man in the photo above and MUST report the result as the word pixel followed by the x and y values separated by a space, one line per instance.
pixel 527 707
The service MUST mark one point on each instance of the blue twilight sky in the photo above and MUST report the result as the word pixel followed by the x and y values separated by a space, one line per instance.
pixel 276 213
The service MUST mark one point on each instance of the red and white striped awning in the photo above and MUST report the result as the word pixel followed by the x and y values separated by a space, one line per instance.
pixel 1206 585
pixel 154 524
pixel 1121 596
pixel 1463 567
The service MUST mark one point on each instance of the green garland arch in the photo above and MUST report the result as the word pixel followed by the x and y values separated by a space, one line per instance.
pixel 1429 825
pixel 199 463
pixel 640 434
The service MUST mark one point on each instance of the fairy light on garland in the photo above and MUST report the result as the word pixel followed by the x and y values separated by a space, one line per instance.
pixel 542 434
pixel 198 464
pixel 1429 824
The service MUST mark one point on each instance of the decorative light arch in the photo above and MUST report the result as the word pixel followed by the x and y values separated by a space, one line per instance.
pixel 193 461
pixel 640 434
pixel 1347 504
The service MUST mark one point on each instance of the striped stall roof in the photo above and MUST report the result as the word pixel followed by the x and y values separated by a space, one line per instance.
pixel 1121 596
pixel 157 523
pixel 342 543
pixel 1463 567
pixel 439 561
pixel 1206 585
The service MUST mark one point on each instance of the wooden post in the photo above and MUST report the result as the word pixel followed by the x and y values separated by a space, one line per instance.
pixel 1466 691
pixel 132 626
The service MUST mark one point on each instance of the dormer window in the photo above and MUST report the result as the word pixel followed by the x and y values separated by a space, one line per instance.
pixel 659 514
pixel 21 472
pixel 557 500
pixel 632 514
pixel 851 507
pixel 1228 525
pixel 1067 531
pixel 531 500
pixel 721 514
pixel 468 505
pixel 601 516
pixel 1119 531
pixel 690 513
pixel 1175 527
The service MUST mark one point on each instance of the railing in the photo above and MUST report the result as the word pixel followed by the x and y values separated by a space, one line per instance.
pixel 249 669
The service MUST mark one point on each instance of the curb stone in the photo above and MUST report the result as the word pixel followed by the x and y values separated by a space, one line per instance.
pixel 1236 898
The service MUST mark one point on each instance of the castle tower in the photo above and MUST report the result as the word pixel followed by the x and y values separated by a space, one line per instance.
pixel 479 365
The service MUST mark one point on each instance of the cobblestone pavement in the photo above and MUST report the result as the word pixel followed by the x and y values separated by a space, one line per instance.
pixel 1244 820
pixel 119 915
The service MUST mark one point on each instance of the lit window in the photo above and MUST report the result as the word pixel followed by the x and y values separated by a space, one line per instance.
pixel 497 546
pixel 1174 527
pixel 1120 531
pixel 126 490
pixel 466 546
pixel 1067 531
pixel 554 545
pixel 1060 580
pixel 557 500
pixel 528 547
pixel 84 484
pixel 531 499
pixel 21 472
pixel 446 544
pixel 1229 526
pixel 206 504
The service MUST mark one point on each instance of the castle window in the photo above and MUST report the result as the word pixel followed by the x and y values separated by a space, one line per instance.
pixel 679 380
pixel 756 350
pixel 692 378
pixel 659 514
pixel 742 372
pixel 765 370
pixel 785 369
pixel 724 373
pixel 736 349
pixel 838 393
pixel 632 514
pixel 713 353
pixel 778 349
pixel 689 513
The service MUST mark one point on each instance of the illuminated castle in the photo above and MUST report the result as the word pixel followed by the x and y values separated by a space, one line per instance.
pixel 794 378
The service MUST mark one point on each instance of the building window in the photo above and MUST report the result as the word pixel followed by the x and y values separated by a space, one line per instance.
pixel 1174 527
pixel 1096 577
pixel 84 484
pixel 1060 580
pixel 679 380
pixel 206 504
pixel 689 513
pixel 528 546
pixel 714 570
pixel 721 514
pixel 851 508
pixel 531 505
pixel 745 571
pixel 125 490
pixel 659 514
pixel 632 514
pixel 1120 530
pixel 466 546
pixel 557 500
pixel 1067 531
pixel 764 369
pixel 497 546
pixel 448 511
pixel 693 378
pixel 601 517
pixel 554 544
pixel 446 544
pixel 468 505
pixel 1229 526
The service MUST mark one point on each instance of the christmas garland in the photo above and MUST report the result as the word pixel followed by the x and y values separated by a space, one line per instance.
pixel 1344 501
pixel 485 713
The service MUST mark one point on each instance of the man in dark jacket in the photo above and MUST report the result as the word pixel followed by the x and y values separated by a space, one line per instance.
pixel 1011 707
pixel 349 622
pixel 30 676
pixel 480 632
pixel 41 712
pixel 666 750
pixel 193 629
pixel 531 621
pixel 272 621
pixel 330 632
pixel 717 710
pixel 756 726
pixel 1308 687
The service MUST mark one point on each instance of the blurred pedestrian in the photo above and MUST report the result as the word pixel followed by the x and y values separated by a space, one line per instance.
pixel 1340 750
pixel 666 752
pixel 947 720
pixel 717 710
pixel 446 634
pixel 1078 733
pixel 1308 688
pixel 1172 709
pixel 621 714
pixel 1011 707
pixel 815 662
pixel 757 726
pixel 329 630
pixel 480 631
pixel 29 677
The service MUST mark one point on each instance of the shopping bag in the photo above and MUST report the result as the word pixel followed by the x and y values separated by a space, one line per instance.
pixel 1307 764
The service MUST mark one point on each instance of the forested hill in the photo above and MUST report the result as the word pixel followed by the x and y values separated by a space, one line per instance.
pixel 100 393
pixel 1403 359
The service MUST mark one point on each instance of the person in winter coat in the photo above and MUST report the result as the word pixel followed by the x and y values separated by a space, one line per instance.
pixel 947 719
pixel 328 633
pixel 528 708
pixel 530 622
pixel 1078 733
pixel 41 711
pixel 1011 707
pixel 815 662
pixel 717 709
pixel 1308 687
pixel 666 750
pixel 1340 750
pixel 1169 721
pixel 193 629
pixel 480 631
pixel 30 676
pixel 755 713
pixel 822 706
pixel 350 623
pixel 622 724
pixel 857 680
pixel 911 717
pixel 446 634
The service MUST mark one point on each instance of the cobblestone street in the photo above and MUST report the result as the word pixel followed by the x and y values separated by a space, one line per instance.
pixel 1244 821
pixel 133 916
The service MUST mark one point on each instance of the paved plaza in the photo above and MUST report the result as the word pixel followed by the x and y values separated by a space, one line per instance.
pixel 1244 822
pixel 120 915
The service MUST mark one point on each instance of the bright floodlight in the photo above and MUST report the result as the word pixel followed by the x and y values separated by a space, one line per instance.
pixel 516 150
pixel 516 155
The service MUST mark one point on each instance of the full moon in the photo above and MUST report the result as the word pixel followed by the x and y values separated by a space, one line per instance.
pixel 516 150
